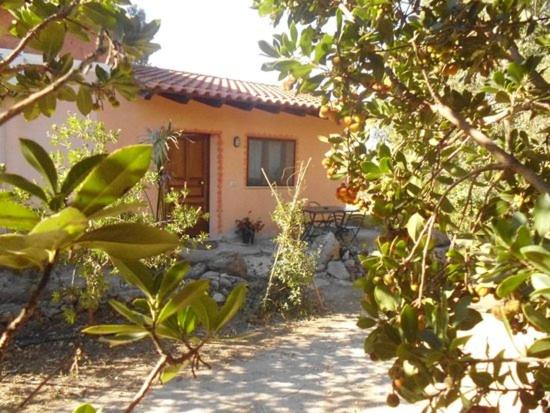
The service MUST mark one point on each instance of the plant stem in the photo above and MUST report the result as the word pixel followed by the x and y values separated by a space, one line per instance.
pixel 147 383
pixel 26 311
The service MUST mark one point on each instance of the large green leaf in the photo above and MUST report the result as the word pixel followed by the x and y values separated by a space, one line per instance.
pixel 542 215
pixel 540 348
pixel 85 408
pixel 169 372
pixel 129 314
pixel 57 230
pixel 25 251
pixel 206 310
pixel 16 217
pixel 112 178
pixel 414 225
pixel 541 284
pixel 385 299
pixel 510 284
pixel 114 329
pixel 538 256
pixel 409 322
pixel 137 274
pixel 39 159
pixel 183 298
pixel 537 318
pixel 231 306
pixel 24 184
pixel 172 278
pixel 130 241
pixel 79 171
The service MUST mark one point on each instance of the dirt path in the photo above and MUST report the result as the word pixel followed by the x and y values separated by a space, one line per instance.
pixel 318 367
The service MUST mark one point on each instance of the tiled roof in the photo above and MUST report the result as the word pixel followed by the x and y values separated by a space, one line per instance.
pixel 219 90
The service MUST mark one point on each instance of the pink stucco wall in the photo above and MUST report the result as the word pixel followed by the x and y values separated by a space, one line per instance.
pixel 230 198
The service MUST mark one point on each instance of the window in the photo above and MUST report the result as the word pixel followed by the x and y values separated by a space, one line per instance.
pixel 275 157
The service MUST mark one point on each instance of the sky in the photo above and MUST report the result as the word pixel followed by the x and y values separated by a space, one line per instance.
pixel 214 37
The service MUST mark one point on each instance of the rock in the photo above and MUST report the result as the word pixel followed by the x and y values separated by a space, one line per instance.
pixel 337 269
pixel 344 283
pixel 258 266
pixel 350 264
pixel 346 256
pixel 328 248
pixel 320 268
pixel 211 275
pixel 320 280
pixel 225 281
pixel 218 297
pixel 231 263
pixel 197 270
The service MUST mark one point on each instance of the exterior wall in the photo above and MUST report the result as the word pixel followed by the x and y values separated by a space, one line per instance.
pixel 230 198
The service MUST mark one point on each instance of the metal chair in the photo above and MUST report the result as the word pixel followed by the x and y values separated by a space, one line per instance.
pixel 352 224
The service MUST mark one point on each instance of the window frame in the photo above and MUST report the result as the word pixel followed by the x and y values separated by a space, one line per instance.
pixel 261 138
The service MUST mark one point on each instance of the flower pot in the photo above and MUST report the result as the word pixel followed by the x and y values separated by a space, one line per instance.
pixel 248 236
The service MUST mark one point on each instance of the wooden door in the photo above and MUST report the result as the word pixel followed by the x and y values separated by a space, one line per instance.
pixel 188 166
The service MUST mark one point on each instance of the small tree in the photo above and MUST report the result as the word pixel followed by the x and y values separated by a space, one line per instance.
pixel 461 91
pixel 293 266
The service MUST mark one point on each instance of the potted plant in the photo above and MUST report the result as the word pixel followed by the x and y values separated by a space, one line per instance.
pixel 248 228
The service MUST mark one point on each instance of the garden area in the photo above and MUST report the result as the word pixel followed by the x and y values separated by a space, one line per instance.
pixel 427 287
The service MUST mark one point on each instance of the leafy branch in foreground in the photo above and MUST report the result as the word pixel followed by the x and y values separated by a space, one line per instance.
pixel 170 311
pixel 106 30
pixel 444 108
pixel 87 191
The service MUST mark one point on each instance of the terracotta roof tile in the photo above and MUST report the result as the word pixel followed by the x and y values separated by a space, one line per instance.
pixel 194 85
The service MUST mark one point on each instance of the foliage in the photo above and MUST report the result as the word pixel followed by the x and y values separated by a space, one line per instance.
pixel 79 138
pixel 170 311
pixel 460 92
pixel 107 29
pixel 71 208
pixel 293 266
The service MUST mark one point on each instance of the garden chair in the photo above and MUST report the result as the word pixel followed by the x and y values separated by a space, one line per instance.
pixel 348 230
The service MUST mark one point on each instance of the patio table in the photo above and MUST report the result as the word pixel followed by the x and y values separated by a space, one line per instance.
pixel 322 219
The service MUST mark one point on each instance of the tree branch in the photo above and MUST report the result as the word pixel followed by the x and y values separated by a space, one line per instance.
pixel 26 311
pixel 61 14
pixel 23 104
pixel 147 383
pixel 503 157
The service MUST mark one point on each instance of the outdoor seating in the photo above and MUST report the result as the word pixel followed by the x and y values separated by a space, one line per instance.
pixel 322 219
pixel 347 232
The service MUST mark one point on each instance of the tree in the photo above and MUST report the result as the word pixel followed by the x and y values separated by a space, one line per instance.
pixel 105 28
pixel 460 93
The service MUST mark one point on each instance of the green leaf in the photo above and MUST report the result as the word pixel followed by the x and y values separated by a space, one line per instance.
pixel 102 329
pixel 24 184
pixel 183 298
pixel 69 220
pixel 542 215
pixel 79 171
pixel 482 379
pixel 510 284
pixel 409 322
pixel 365 322
pixel 85 408
pixel 137 274
pixel 84 101
pixel 537 318
pixel 371 170
pixel 16 217
pixel 121 339
pixel 51 39
pixel 130 241
pixel 172 278
pixel 129 314
pixel 206 310
pixel 540 348
pixel 100 14
pixel 268 49
pixel 169 372
pixel 112 178
pixel 541 284
pixel 414 226
pixel 39 159
pixel 538 256
pixel 234 302
pixel 385 299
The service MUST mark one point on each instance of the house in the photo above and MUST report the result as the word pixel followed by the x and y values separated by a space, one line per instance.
pixel 231 130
